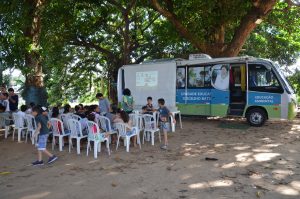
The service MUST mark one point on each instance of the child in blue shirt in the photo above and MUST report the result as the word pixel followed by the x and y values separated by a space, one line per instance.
pixel 42 132
pixel 164 114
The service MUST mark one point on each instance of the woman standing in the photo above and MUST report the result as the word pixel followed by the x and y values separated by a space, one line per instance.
pixel 127 101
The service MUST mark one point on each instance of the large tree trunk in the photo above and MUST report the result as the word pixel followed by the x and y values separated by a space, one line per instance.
pixel 35 90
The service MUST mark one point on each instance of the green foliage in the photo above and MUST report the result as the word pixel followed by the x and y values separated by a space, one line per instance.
pixel 295 81
pixel 278 37
pixel 83 43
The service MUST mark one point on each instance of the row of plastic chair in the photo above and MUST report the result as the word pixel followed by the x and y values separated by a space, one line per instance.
pixel 22 125
pixel 71 126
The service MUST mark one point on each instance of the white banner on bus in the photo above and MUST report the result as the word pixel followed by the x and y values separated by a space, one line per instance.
pixel 157 80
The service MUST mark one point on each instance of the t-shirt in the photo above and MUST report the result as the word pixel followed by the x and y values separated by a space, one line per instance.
pixel 43 120
pixel 23 117
pixel 127 100
pixel 7 105
pixel 104 105
pixel 149 107
pixel 163 113
pixel 14 106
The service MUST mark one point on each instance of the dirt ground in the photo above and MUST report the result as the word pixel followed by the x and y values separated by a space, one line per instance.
pixel 252 163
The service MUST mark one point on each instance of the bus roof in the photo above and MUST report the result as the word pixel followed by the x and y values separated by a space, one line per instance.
pixel 214 60
pixel 184 62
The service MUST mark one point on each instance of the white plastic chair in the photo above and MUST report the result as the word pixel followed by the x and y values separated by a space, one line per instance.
pixel 19 122
pixel 31 127
pixel 156 117
pixel 96 138
pixel 150 127
pixel 5 122
pixel 137 121
pixel 121 127
pixel 64 118
pixel 105 125
pixel 76 133
pixel 56 132
pixel 75 117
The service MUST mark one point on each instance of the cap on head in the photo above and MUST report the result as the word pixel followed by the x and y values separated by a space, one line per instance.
pixel 44 109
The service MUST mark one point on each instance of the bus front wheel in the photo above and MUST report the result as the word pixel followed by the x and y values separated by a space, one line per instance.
pixel 256 117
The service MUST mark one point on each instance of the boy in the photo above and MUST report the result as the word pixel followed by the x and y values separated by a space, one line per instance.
pixel 148 109
pixel 104 104
pixel 13 100
pixel 42 132
pixel 164 114
pixel 22 114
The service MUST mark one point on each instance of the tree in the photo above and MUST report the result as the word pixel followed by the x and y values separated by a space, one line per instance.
pixel 95 39
pixel 278 38
pixel 218 28
pixel 34 83
pixel 21 29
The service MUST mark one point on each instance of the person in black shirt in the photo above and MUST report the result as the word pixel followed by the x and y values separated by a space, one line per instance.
pixel 13 100
pixel 148 109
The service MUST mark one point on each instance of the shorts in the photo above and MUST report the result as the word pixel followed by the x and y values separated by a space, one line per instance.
pixel 132 132
pixel 42 142
pixel 165 126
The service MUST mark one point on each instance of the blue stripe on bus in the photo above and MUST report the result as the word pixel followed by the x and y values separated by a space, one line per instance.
pixel 193 96
pixel 260 98
pixel 201 96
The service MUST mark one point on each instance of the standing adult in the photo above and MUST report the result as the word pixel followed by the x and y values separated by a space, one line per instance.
pixel 127 101
pixel 13 100
pixel 104 104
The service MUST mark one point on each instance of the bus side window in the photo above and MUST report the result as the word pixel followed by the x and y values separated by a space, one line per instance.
pixel 180 78
pixel 262 79
pixel 199 76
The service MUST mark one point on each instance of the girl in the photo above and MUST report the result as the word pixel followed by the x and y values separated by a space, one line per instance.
pixel 127 103
pixel 96 135
pixel 125 119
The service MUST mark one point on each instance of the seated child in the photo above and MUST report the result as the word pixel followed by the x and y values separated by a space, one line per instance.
pixel 29 108
pixel 22 114
pixel 79 111
pixel 96 135
pixel 55 114
pixel 148 109
pixel 124 118
pixel 6 115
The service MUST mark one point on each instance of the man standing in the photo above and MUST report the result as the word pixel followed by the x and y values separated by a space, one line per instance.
pixel 13 100
pixel 104 104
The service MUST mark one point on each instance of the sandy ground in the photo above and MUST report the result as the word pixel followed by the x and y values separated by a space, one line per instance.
pixel 252 163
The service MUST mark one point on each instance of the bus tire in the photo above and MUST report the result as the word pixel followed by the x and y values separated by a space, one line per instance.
pixel 256 117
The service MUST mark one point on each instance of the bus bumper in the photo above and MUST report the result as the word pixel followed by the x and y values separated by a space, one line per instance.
pixel 292 111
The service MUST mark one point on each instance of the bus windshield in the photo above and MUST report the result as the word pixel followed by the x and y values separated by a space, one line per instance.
pixel 286 82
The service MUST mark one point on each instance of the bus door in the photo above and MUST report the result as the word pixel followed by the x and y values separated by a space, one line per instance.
pixel 237 87
pixel 220 89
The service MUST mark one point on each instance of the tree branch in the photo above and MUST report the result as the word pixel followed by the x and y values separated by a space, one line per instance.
pixel 80 41
pixel 182 30
pixel 260 9
pixel 117 4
